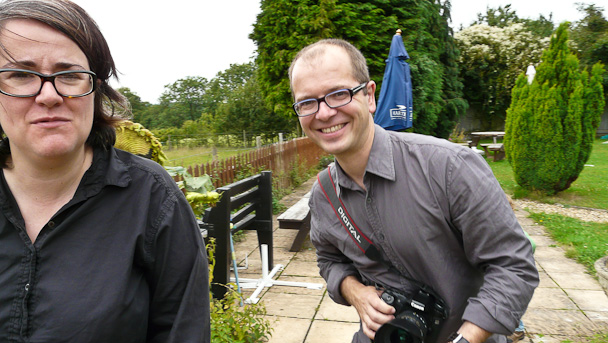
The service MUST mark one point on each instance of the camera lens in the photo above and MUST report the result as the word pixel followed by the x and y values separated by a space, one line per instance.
pixel 407 327
pixel 401 336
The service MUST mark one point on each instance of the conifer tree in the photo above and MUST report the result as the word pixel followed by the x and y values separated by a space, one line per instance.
pixel 551 123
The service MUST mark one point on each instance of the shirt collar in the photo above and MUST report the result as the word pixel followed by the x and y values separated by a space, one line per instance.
pixel 106 169
pixel 380 161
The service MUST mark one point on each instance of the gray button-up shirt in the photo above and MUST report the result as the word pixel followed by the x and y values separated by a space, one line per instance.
pixel 437 213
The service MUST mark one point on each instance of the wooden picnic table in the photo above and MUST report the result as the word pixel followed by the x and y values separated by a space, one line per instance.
pixel 483 134
pixel 497 150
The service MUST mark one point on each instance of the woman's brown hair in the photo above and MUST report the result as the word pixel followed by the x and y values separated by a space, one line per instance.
pixel 71 20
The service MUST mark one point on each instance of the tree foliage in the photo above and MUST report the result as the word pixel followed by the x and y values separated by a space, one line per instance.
pixel 184 97
pixel 222 86
pixel 591 37
pixel 284 27
pixel 245 110
pixel 230 103
pixel 551 123
pixel 504 16
pixel 491 58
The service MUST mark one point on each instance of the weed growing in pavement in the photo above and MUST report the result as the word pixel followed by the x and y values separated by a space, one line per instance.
pixel 231 322
pixel 599 338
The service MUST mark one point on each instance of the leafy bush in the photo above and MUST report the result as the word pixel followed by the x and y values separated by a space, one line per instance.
pixel 229 321
pixel 457 135
pixel 551 123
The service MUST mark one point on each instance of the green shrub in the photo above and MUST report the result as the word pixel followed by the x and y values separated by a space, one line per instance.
pixel 229 321
pixel 551 123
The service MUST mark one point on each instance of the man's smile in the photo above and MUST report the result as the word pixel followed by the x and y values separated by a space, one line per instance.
pixel 333 128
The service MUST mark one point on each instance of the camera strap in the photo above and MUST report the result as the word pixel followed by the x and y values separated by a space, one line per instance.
pixel 363 243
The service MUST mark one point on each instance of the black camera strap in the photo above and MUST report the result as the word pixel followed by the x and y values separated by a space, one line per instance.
pixel 363 243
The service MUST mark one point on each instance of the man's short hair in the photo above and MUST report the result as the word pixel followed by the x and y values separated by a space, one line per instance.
pixel 358 63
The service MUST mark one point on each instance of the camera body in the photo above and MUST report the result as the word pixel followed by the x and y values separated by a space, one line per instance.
pixel 417 319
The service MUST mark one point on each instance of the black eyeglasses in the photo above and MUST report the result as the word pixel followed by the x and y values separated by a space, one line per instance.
pixel 22 83
pixel 334 99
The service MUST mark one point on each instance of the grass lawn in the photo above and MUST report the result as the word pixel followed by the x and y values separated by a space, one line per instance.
pixel 186 157
pixel 589 190
pixel 585 242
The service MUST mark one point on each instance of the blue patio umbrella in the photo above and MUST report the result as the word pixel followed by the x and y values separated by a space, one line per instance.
pixel 395 105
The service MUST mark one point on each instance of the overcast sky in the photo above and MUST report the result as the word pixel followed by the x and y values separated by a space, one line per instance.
pixel 155 43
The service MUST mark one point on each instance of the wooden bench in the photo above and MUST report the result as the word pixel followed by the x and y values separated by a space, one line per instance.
pixel 497 151
pixel 247 204
pixel 297 217
pixel 474 141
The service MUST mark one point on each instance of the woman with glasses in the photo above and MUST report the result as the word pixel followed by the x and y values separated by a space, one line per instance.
pixel 96 245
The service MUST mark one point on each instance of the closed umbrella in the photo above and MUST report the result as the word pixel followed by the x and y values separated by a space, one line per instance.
pixel 395 104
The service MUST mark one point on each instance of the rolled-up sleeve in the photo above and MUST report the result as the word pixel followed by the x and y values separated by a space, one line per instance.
pixel 493 242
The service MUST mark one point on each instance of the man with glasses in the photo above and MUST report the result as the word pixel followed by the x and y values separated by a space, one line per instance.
pixel 423 202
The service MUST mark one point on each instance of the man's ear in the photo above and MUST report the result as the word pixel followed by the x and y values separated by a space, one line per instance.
pixel 371 96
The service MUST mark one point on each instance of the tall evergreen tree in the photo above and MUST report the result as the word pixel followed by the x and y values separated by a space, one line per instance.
pixel 284 27
pixel 454 103
pixel 551 123
pixel 591 37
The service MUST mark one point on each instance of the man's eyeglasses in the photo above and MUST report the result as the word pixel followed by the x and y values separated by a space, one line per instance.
pixel 22 83
pixel 334 99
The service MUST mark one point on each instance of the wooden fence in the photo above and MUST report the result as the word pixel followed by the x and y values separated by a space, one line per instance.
pixel 283 159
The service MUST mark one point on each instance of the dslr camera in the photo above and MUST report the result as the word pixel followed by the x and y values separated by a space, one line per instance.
pixel 417 319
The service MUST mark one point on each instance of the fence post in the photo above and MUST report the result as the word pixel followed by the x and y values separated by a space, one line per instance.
pixel 258 142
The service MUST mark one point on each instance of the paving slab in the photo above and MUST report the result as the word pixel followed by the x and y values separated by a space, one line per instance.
pixel 549 253
pixel 329 310
pixel 545 281
pixel 581 281
pixel 301 268
pixel 306 254
pixel 289 330
pixel 588 300
pixel 542 240
pixel 599 318
pixel 291 305
pixel 331 332
pixel 568 323
pixel 551 298
pixel 549 339
pixel 561 265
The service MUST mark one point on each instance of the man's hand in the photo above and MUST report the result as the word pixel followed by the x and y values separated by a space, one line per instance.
pixel 473 333
pixel 372 310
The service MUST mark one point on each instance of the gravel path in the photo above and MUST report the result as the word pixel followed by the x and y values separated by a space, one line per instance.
pixel 586 214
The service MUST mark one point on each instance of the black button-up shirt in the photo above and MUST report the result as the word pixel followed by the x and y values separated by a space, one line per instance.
pixel 123 261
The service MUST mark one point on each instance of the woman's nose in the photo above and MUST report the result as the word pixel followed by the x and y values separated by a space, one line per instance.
pixel 48 95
